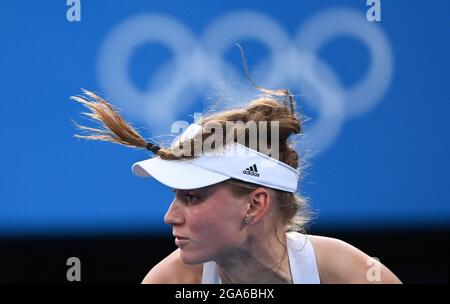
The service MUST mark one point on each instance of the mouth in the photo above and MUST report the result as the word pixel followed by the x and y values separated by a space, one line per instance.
pixel 180 240
pixel 178 236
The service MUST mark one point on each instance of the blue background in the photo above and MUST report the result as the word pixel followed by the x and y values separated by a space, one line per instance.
pixel 388 168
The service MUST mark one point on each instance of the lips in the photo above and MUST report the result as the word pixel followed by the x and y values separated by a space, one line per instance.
pixel 179 236
pixel 180 240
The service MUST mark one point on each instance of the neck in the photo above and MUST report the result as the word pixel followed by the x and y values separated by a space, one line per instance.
pixel 259 260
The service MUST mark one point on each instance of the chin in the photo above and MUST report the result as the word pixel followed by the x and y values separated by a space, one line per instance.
pixel 192 259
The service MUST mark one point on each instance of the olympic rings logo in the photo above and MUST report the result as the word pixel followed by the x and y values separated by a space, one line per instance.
pixel 198 65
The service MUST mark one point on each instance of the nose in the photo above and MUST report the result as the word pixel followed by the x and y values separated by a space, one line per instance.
pixel 174 215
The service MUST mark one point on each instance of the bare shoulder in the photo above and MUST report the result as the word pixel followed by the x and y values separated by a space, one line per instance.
pixel 339 262
pixel 172 270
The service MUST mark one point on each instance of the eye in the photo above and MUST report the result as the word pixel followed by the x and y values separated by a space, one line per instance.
pixel 190 198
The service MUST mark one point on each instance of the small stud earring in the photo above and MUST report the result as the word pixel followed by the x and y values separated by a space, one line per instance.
pixel 249 219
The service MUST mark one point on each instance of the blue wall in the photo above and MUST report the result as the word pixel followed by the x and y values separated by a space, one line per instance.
pixel 376 94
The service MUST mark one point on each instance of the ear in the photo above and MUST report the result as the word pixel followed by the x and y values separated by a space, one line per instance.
pixel 259 204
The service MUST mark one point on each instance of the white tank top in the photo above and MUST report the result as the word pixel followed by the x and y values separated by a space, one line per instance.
pixel 301 260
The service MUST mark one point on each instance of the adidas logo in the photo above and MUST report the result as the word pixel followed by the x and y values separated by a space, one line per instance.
pixel 251 171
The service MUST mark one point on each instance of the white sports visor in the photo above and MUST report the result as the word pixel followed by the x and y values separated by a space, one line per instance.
pixel 234 161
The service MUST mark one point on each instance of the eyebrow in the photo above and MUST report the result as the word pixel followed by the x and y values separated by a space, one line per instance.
pixel 205 190
pixel 182 191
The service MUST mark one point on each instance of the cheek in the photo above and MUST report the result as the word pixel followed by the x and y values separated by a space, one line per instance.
pixel 216 222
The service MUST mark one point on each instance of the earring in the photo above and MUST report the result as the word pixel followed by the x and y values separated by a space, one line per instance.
pixel 249 219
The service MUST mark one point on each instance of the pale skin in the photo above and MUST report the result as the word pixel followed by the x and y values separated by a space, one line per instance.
pixel 212 221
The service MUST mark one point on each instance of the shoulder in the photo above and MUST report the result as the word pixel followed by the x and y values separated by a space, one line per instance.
pixel 172 270
pixel 339 262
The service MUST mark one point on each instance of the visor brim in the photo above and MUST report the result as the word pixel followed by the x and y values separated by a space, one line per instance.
pixel 177 174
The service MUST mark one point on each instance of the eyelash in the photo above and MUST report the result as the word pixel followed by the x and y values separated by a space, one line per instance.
pixel 190 197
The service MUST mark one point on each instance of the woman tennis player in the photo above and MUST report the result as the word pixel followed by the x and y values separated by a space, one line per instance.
pixel 236 216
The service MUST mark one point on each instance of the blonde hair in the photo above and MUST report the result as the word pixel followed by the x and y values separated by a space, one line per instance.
pixel 292 207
